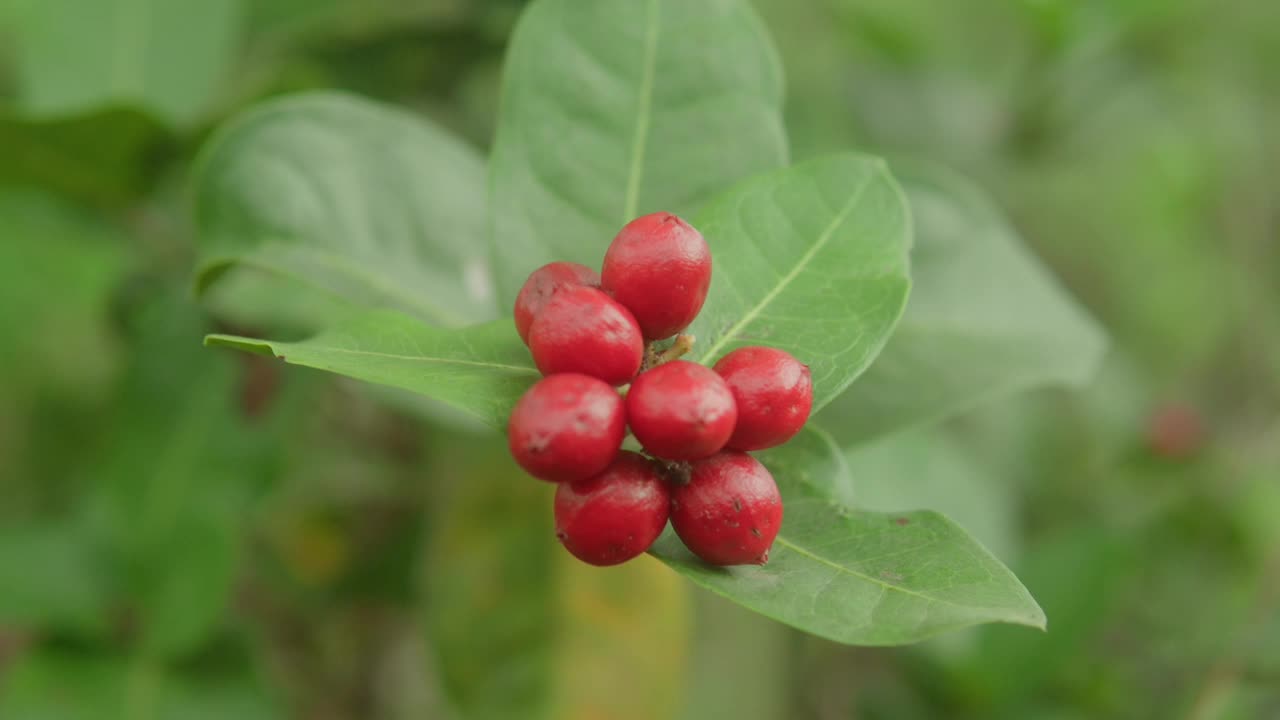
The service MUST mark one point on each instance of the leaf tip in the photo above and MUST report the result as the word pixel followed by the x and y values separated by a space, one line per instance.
pixel 250 345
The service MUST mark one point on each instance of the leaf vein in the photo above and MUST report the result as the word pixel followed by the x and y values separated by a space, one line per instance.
pixel 643 110
pixel 823 239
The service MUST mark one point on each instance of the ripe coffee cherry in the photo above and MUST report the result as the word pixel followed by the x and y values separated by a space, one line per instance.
pixel 566 427
pixel 542 284
pixel 614 516
pixel 660 268
pixel 774 392
pixel 681 411
pixel 729 512
pixel 582 330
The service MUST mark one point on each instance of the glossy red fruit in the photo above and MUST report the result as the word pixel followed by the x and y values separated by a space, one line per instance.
pixel 616 515
pixel 681 411
pixel 660 268
pixel 774 392
pixel 566 427
pixel 730 511
pixel 542 284
pixel 582 330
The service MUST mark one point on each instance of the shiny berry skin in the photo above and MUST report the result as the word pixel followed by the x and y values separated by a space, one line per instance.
pixel 681 411
pixel 616 515
pixel 774 392
pixel 566 427
pixel 660 268
pixel 582 330
pixel 730 511
pixel 542 284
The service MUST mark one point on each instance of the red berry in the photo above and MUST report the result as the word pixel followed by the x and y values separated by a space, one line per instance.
pixel 616 515
pixel 660 268
pixel 774 392
pixel 582 330
pixel 681 411
pixel 1175 432
pixel 729 512
pixel 566 427
pixel 542 284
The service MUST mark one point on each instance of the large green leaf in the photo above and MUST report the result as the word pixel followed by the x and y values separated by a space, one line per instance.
pixel 617 108
pixel 985 318
pixel 858 576
pixel 482 369
pixel 867 578
pixel 811 259
pixel 168 56
pixel 362 200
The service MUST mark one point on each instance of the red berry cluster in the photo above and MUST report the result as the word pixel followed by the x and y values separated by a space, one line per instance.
pixel 590 333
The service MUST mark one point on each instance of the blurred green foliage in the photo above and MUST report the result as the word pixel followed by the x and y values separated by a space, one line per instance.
pixel 194 534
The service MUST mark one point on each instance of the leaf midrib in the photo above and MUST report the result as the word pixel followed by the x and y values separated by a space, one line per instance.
pixel 781 540
pixel 286 348
pixel 644 108
pixel 823 239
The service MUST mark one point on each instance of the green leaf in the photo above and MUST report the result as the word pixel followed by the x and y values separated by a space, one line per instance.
pixel 857 576
pixel 167 56
pixel 811 259
pixel 867 578
pixel 985 318
pixel 481 369
pixel 362 200
pixel 618 108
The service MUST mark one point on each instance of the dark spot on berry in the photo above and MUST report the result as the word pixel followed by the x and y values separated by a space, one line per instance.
pixel 755 531
pixel 737 505
pixel 561 535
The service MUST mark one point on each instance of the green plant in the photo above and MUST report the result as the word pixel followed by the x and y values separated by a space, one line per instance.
pixel 611 110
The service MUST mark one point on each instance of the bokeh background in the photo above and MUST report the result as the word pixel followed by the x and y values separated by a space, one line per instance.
pixel 191 533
